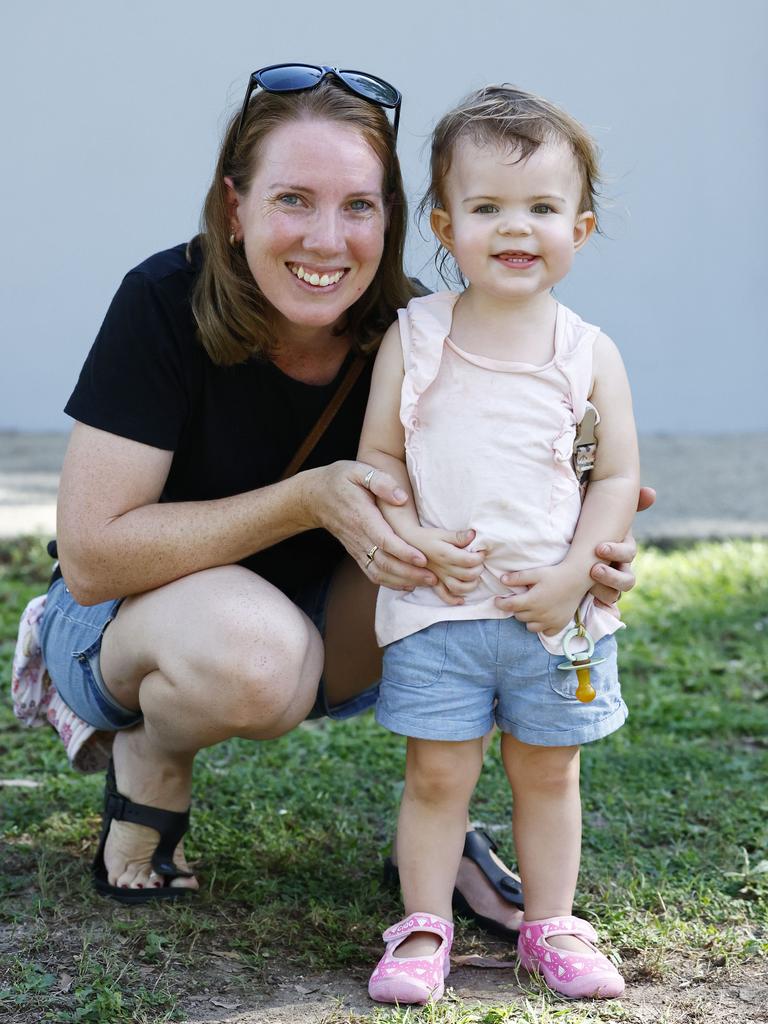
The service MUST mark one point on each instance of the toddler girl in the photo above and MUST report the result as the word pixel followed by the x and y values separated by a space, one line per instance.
pixel 479 394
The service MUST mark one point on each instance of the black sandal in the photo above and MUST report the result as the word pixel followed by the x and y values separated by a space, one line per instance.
pixel 170 824
pixel 477 847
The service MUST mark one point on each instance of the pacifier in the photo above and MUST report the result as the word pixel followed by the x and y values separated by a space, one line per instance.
pixel 581 661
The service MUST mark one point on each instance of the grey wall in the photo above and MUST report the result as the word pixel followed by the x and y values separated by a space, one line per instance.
pixel 111 114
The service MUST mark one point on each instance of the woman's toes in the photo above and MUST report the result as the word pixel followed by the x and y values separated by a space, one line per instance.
pixel 181 863
pixel 135 876
pixel 128 858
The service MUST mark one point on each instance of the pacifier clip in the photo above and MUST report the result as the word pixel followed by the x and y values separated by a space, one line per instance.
pixel 581 661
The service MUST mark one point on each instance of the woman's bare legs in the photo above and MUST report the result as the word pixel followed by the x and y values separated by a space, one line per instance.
pixel 217 654
pixel 352 656
pixel 547 827
pixel 241 660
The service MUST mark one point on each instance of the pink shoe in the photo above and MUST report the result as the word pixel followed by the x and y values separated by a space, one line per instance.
pixel 412 979
pixel 576 975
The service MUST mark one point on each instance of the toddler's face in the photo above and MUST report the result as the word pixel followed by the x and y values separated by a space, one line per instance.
pixel 512 226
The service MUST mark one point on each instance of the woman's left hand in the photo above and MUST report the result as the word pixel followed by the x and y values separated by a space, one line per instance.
pixel 342 499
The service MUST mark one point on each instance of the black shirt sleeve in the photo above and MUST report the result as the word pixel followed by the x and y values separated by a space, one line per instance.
pixel 133 382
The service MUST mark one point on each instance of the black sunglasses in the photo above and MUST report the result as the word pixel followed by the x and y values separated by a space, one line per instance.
pixel 298 77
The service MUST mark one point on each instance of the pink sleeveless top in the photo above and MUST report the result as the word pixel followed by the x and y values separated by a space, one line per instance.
pixel 488 445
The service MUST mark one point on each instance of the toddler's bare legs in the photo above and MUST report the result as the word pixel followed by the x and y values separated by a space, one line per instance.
pixel 473 884
pixel 547 827
pixel 439 779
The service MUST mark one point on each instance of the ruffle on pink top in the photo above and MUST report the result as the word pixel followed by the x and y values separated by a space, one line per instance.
pixel 521 423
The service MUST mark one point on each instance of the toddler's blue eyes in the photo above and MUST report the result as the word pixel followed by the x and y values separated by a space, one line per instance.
pixel 488 208
pixel 541 208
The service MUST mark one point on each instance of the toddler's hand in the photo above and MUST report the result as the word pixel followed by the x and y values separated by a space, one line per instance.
pixel 458 571
pixel 550 602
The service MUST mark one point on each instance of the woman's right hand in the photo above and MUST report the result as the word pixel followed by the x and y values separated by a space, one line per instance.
pixel 337 499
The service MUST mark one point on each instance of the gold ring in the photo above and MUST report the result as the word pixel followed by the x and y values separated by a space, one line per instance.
pixel 367 479
pixel 369 554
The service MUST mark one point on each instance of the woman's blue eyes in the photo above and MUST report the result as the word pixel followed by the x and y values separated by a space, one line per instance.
pixel 356 205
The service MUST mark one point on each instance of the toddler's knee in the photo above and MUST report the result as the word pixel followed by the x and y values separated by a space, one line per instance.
pixel 547 768
pixel 442 777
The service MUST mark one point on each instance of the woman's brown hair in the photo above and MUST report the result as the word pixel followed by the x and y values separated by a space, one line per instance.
pixel 234 319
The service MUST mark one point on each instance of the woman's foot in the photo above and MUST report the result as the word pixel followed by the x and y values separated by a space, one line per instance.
pixel 145 777
pixel 486 890
pixel 483 898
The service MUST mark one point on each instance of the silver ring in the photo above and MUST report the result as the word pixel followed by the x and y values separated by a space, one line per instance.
pixel 370 554
pixel 367 479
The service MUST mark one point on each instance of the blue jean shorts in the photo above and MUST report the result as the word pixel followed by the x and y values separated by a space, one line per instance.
pixel 71 635
pixel 454 680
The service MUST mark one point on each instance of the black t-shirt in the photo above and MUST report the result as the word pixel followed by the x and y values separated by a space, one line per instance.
pixel 231 429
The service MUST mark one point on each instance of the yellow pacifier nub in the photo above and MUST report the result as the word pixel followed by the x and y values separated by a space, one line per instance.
pixel 581 661
pixel 585 691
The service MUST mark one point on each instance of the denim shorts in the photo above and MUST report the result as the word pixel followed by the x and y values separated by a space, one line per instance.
pixel 71 635
pixel 454 680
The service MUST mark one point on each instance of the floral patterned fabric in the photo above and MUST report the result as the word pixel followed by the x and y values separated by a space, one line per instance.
pixel 36 701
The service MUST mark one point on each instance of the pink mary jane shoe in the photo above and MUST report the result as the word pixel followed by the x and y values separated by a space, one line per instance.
pixel 587 975
pixel 415 979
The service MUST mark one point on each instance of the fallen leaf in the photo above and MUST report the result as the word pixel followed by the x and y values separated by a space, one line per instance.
pixel 224 1004
pixel 65 982
pixel 304 990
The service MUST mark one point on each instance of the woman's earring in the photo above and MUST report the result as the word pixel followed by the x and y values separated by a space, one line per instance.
pixel 232 239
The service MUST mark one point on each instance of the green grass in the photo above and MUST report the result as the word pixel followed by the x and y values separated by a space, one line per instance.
pixel 287 837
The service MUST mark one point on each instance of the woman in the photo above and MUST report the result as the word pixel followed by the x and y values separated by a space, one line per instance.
pixel 251 597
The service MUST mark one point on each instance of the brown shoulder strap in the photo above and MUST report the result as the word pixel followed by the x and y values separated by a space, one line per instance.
pixel 309 442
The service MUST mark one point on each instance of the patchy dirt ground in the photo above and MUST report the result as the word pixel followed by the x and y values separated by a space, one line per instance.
pixel 215 986
pixel 739 997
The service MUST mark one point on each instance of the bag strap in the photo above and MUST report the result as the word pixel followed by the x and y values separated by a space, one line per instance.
pixel 325 418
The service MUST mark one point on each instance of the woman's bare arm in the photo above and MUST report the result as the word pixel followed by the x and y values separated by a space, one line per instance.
pixel 115 539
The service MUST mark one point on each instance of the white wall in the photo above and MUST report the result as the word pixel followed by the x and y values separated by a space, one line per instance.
pixel 112 111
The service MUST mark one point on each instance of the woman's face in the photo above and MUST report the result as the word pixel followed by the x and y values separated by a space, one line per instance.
pixel 312 222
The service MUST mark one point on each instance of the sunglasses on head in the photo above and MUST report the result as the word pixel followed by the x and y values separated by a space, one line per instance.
pixel 298 77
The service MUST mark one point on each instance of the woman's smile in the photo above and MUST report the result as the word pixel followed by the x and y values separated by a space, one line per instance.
pixel 317 278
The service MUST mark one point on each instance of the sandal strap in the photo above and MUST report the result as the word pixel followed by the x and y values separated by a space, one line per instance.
pixel 171 825
pixel 478 846
pixel 569 925
pixel 420 923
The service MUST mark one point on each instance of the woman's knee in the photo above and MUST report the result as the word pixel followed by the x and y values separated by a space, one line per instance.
pixel 225 646
pixel 266 689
